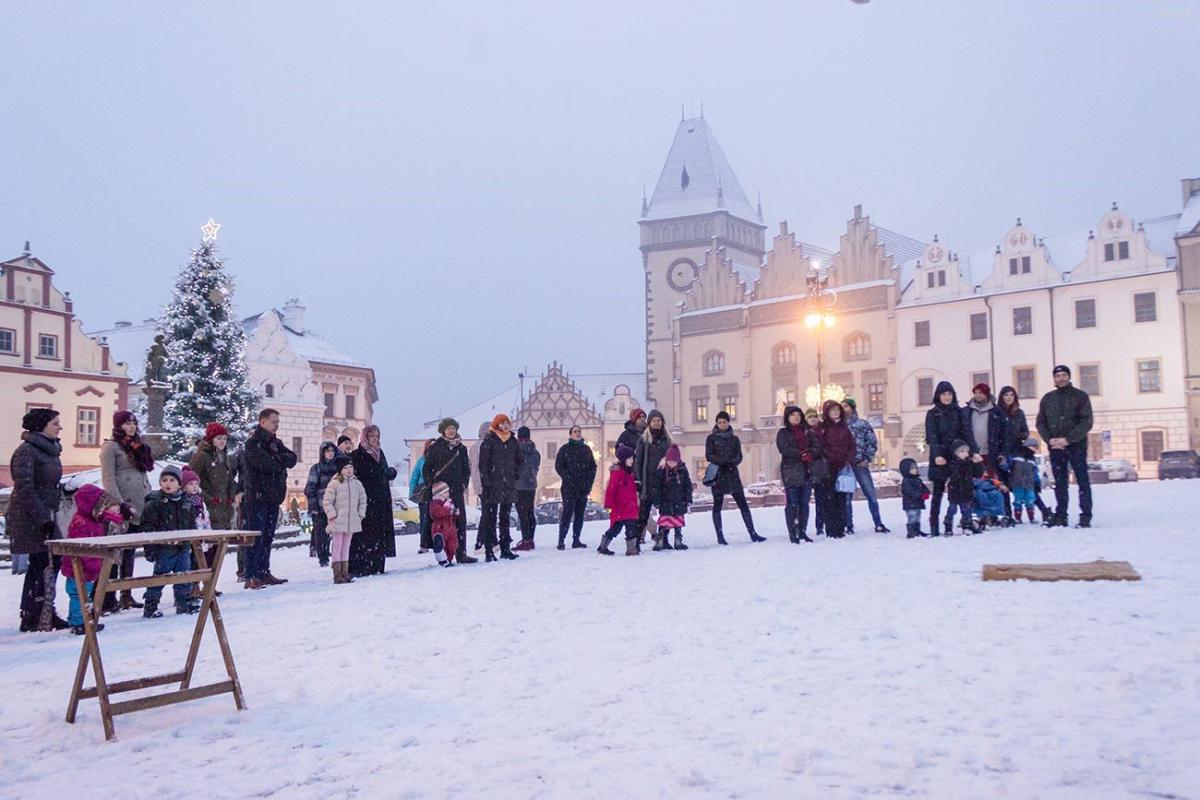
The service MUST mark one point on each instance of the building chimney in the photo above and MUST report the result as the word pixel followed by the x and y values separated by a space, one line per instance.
pixel 1191 186
pixel 293 314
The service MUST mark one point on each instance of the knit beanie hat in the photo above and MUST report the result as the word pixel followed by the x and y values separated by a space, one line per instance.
pixel 173 471
pixel 624 451
pixel 36 419
pixel 673 454
pixel 447 423
pixel 523 432
pixel 982 387
pixel 341 462
pixel 850 401
pixel 635 414
pixel 213 430
pixel 187 475
pixel 723 415
pixel 1062 368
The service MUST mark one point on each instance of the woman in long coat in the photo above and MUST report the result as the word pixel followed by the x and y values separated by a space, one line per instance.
pixel 377 541
pixel 125 464
pixel 944 423
pixel 794 447
pixel 724 449
pixel 33 515
pixel 833 445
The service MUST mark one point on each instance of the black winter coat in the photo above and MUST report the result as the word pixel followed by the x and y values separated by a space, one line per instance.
pixel 725 450
pixel 1017 433
pixel 266 463
pixel 319 475
pixel 912 488
pixel 960 488
pixel 1065 412
pixel 647 455
pixel 531 462
pixel 944 424
pixel 451 465
pixel 576 465
pixel 671 490
pixel 165 512
pixel 630 436
pixel 793 470
pixel 36 470
pixel 499 467
pixel 376 478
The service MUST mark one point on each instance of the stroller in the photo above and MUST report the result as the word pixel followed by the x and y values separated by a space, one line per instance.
pixel 989 505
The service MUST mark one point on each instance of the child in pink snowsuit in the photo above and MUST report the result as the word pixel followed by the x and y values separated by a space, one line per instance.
pixel 443 526
pixel 95 509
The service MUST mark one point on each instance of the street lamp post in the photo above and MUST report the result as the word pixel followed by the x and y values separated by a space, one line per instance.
pixel 817 319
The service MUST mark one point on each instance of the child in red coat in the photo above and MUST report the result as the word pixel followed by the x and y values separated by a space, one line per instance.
pixel 94 510
pixel 443 525
pixel 621 500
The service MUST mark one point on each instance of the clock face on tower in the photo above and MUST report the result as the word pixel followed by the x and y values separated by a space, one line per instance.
pixel 682 274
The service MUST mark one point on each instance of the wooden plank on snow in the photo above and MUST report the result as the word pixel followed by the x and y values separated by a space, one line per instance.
pixel 1087 571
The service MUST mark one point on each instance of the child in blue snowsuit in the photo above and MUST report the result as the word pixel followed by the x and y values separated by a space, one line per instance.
pixel 989 502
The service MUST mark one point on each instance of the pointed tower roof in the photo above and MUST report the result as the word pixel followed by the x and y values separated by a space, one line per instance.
pixel 697 179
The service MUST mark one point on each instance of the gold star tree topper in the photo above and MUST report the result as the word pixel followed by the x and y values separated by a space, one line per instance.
pixel 209 229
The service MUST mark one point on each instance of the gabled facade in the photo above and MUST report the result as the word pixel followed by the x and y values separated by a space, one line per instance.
pixel 47 360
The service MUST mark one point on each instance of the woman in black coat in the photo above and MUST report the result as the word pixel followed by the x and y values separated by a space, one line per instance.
pixel 945 424
pixel 794 447
pixel 33 515
pixel 576 466
pixel 500 462
pixel 724 449
pixel 377 541
pixel 448 461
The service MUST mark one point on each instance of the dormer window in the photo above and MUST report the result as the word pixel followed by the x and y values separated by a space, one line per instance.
pixel 1116 251
pixel 935 279
pixel 1022 265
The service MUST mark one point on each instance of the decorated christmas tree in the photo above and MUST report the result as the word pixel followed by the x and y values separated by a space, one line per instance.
pixel 205 367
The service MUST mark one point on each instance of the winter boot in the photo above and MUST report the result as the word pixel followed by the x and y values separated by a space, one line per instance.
pixel 462 558
pixel 524 544
pixel 657 542
pixel 478 544
pixel 605 541
pixel 914 530
pixel 720 532
pixel 934 530
pixel 793 537
pixel 1017 516
pixel 489 556
pixel 633 547
pixel 664 535
pixel 754 537
pixel 150 609
pixel 337 571
pixel 1085 521
pixel 948 526
pixel 346 577
pixel 679 545
pixel 1056 521
pixel 127 600
pixel 79 630
pixel 562 541
pixel 576 544
pixel 507 554
pixel 881 528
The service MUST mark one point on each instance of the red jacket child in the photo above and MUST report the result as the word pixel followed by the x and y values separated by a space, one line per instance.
pixel 443 521
pixel 620 498
pixel 94 510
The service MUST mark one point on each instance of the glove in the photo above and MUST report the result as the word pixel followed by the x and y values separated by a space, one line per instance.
pixel 806 458
pixel 126 512
pixel 49 528
pixel 925 495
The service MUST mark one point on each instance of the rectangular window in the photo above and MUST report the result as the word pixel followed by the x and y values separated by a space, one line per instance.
pixel 931 280
pixel 1085 313
pixel 298 446
pixel 924 391
pixel 941 277
pixel 979 326
pixel 329 397
pixel 47 346
pixel 875 393
pixel 87 426
pixel 1110 252
pixel 981 377
pixel 729 406
pixel 551 450
pixel 1025 379
pixel 1122 250
pixel 351 411
pixel 1026 265
pixel 1022 318
pixel 1012 266
pixel 700 409
pixel 1153 443
pixel 921 333
pixel 1145 307
pixel 1088 376
pixel 8 340
pixel 1149 375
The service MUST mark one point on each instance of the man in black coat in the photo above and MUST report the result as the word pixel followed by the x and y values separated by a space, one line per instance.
pixel 945 423
pixel 634 427
pixel 500 462
pixel 448 461
pixel 266 463
pixel 576 466
pixel 1064 420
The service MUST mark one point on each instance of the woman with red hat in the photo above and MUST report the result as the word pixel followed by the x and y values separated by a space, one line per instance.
pixel 217 471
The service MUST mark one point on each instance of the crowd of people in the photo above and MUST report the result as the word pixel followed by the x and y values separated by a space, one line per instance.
pixel 982 465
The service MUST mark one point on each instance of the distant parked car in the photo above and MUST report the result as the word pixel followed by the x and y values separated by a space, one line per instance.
pixel 1178 464
pixel 1118 469
pixel 764 488
pixel 550 512
pixel 406 516
pixel 886 477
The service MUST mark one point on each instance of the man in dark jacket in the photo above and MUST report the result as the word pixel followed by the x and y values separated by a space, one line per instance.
pixel 448 461
pixel 634 428
pixel 945 423
pixel 527 482
pixel 1063 421
pixel 576 466
pixel 314 492
pixel 651 448
pixel 267 462
pixel 866 445
pixel 499 467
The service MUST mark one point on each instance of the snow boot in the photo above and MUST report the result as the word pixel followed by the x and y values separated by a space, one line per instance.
pixel 489 556
pixel 150 610
pixel 463 558
pixel 524 544
pixel 1085 521
pixel 657 542
pixel 79 630
pixel 189 607
pixel 948 526
pixel 127 600
pixel 1056 521
pixel 633 547
pixel 337 571
pixel 914 530
pixel 679 545
pixel 478 544
pixel 1017 516
pixel 754 537
pixel 576 544
pixel 720 532
pixel 881 528
pixel 934 530
pixel 605 541
pixel 664 536
pixel 793 537
pixel 562 541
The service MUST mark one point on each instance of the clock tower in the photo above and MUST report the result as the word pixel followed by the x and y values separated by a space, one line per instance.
pixel 697 204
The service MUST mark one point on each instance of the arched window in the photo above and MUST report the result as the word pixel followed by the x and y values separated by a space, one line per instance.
pixel 714 363
pixel 858 347
pixel 269 390
pixel 783 354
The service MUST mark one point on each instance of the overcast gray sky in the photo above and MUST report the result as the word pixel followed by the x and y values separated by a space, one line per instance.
pixel 453 192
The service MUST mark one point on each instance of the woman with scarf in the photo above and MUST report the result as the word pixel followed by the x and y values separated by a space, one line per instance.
pixel 447 460
pixel 217 471
pixel 723 449
pixel 792 441
pixel 1016 432
pixel 377 541
pixel 125 464
pixel 500 462
pixel 833 448
pixel 32 516
pixel 945 423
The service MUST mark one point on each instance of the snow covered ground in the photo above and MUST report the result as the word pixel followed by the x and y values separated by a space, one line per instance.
pixel 869 667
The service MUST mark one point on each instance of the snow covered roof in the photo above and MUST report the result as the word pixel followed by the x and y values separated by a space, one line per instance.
pixel 697 179
pixel 899 246
pixel 598 387
pixel 129 343
pixel 1190 217
pixel 305 343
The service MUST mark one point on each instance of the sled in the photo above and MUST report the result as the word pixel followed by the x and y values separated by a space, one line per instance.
pixel 1088 571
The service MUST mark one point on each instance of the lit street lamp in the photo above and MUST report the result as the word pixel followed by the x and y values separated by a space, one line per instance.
pixel 817 319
